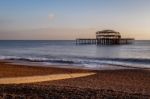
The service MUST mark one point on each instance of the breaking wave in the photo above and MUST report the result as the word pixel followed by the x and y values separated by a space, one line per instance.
pixel 84 61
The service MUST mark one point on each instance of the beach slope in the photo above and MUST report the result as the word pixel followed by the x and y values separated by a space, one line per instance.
pixel 132 82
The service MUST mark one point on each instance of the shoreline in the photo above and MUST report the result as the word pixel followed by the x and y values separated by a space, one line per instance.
pixel 70 66
pixel 126 80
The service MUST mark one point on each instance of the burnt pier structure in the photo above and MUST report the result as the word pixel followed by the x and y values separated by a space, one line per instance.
pixel 105 37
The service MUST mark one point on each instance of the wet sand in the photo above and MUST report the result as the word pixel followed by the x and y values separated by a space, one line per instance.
pixel 131 81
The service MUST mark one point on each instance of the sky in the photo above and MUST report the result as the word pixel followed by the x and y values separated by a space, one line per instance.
pixel 71 19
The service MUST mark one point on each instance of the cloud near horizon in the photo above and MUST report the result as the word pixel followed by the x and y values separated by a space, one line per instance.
pixel 48 34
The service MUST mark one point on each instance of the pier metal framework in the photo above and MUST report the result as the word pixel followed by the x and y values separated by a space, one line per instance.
pixel 105 37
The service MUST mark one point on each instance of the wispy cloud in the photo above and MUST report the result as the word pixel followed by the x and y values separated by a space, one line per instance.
pixel 51 16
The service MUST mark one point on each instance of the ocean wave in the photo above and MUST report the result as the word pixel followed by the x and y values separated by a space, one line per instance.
pixel 83 61
pixel 35 59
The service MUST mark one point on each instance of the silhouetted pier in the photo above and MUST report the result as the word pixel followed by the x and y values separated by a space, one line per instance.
pixel 105 37
pixel 105 41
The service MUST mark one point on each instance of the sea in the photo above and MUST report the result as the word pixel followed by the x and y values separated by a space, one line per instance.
pixel 66 54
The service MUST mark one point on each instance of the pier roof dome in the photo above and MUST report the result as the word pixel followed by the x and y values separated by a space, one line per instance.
pixel 108 31
pixel 107 34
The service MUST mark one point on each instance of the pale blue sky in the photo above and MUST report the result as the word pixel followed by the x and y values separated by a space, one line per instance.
pixel 68 19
